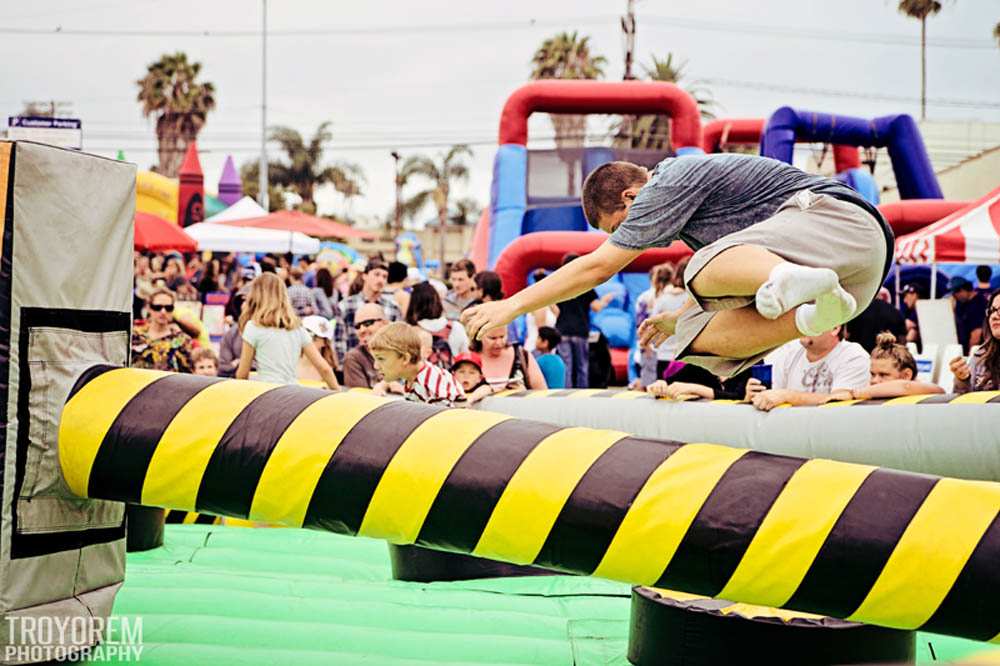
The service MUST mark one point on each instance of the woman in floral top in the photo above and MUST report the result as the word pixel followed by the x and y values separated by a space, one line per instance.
pixel 159 343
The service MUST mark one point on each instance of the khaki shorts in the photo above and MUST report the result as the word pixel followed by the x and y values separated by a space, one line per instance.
pixel 809 229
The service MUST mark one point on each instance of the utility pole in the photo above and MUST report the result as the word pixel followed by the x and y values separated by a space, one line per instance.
pixel 262 167
pixel 398 218
pixel 628 32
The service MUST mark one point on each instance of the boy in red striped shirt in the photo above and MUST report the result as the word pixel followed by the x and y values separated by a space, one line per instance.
pixel 396 350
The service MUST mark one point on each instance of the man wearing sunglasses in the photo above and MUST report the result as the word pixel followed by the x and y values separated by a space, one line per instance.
pixel 159 343
pixel 359 366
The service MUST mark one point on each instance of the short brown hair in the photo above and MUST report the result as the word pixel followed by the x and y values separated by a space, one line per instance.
pixel 463 265
pixel 397 337
pixel 602 191
pixel 203 353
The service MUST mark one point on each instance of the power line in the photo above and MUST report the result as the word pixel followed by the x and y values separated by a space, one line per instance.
pixel 827 92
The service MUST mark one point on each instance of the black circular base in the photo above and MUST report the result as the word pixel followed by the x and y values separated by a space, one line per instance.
pixel 423 565
pixel 673 631
pixel 143 527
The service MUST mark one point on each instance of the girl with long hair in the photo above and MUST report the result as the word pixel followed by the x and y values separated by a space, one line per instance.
pixel 274 336
pixel 982 371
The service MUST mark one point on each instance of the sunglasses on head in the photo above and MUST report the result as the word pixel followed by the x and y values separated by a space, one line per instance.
pixel 366 323
pixel 159 307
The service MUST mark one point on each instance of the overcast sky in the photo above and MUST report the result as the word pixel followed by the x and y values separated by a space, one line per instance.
pixel 423 75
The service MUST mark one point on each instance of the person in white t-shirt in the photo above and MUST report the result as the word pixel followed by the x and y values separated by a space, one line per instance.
pixel 807 370
pixel 274 336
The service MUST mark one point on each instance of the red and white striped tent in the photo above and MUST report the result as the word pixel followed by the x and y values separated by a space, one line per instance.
pixel 970 235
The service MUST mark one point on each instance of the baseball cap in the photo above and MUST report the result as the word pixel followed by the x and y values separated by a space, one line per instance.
pixel 911 289
pixel 318 327
pixel 468 357
pixel 959 283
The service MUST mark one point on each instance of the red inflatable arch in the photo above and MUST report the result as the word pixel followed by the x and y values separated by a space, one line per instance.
pixel 545 249
pixel 911 214
pixel 630 97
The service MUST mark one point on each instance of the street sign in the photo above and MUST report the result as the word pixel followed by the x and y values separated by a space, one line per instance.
pixel 62 132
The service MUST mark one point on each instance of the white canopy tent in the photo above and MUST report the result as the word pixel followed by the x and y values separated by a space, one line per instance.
pixel 226 238
pixel 241 210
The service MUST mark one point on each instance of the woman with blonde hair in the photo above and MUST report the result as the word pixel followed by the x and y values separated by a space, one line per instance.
pixel 274 336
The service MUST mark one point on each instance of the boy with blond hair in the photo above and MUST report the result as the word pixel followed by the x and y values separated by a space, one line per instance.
pixel 396 350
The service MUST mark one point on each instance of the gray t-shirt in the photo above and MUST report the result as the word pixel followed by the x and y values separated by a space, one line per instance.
pixel 701 198
pixel 277 351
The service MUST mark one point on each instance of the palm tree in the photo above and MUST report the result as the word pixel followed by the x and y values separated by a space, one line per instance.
pixel 171 92
pixel 996 32
pixel 567 56
pixel 439 175
pixel 652 132
pixel 304 170
pixel 921 9
pixel 251 185
pixel 465 211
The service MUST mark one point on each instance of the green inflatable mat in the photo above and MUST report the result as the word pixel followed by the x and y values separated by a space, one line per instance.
pixel 227 595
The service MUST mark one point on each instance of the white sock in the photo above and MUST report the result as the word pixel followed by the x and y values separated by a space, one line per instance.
pixel 831 309
pixel 789 285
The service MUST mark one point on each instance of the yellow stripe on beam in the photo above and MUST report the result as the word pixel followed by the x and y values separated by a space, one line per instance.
pixel 839 403
pixel 792 532
pixel 182 454
pixel 931 553
pixel 584 393
pixel 91 412
pixel 663 510
pixel 416 473
pixel 534 496
pixel 629 395
pixel 541 393
pixel 189 518
pixel 299 458
pixel 978 398
pixel 909 399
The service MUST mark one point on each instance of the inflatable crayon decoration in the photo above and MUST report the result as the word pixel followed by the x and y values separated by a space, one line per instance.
pixel 191 199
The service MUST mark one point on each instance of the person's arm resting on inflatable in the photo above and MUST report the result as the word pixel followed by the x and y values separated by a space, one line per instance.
pixel 571 280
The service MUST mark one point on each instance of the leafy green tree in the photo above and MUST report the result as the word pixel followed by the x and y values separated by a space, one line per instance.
pixel 652 132
pixel 465 211
pixel 171 93
pixel 996 32
pixel 304 171
pixel 567 55
pixel 251 185
pixel 920 10
pixel 436 176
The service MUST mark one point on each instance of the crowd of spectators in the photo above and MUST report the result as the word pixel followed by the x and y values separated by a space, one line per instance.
pixel 379 328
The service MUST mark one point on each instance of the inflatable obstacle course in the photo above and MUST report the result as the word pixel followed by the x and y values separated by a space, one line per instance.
pixel 850 541
pixel 219 595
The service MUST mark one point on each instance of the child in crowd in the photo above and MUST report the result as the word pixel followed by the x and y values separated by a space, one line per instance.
pixel 552 365
pixel 468 371
pixel 205 362
pixel 321 330
pixel 396 350
pixel 273 336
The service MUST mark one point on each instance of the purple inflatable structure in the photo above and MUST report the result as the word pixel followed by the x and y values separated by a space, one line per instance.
pixel 230 183
pixel 899 134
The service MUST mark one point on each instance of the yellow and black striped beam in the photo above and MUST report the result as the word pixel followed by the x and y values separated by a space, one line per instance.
pixel 850 541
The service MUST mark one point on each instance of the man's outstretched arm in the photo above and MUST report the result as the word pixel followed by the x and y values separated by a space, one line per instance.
pixel 571 280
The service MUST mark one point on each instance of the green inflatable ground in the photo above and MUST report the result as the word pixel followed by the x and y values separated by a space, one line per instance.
pixel 234 596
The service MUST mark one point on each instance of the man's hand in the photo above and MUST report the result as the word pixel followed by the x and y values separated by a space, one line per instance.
pixel 481 318
pixel 754 386
pixel 768 400
pixel 657 328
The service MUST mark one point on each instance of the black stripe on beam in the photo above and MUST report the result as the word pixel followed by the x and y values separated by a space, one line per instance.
pixel 595 509
pixel 175 517
pixel 607 394
pixel 972 606
pixel 857 548
pixel 939 399
pixel 561 393
pixel 234 470
pixel 725 525
pixel 346 486
pixel 463 506
pixel 89 375
pixel 994 401
pixel 121 463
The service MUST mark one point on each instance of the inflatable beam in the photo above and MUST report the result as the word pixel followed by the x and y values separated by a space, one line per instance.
pixel 946 435
pixel 850 541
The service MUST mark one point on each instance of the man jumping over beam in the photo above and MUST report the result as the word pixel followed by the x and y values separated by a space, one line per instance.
pixel 779 254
